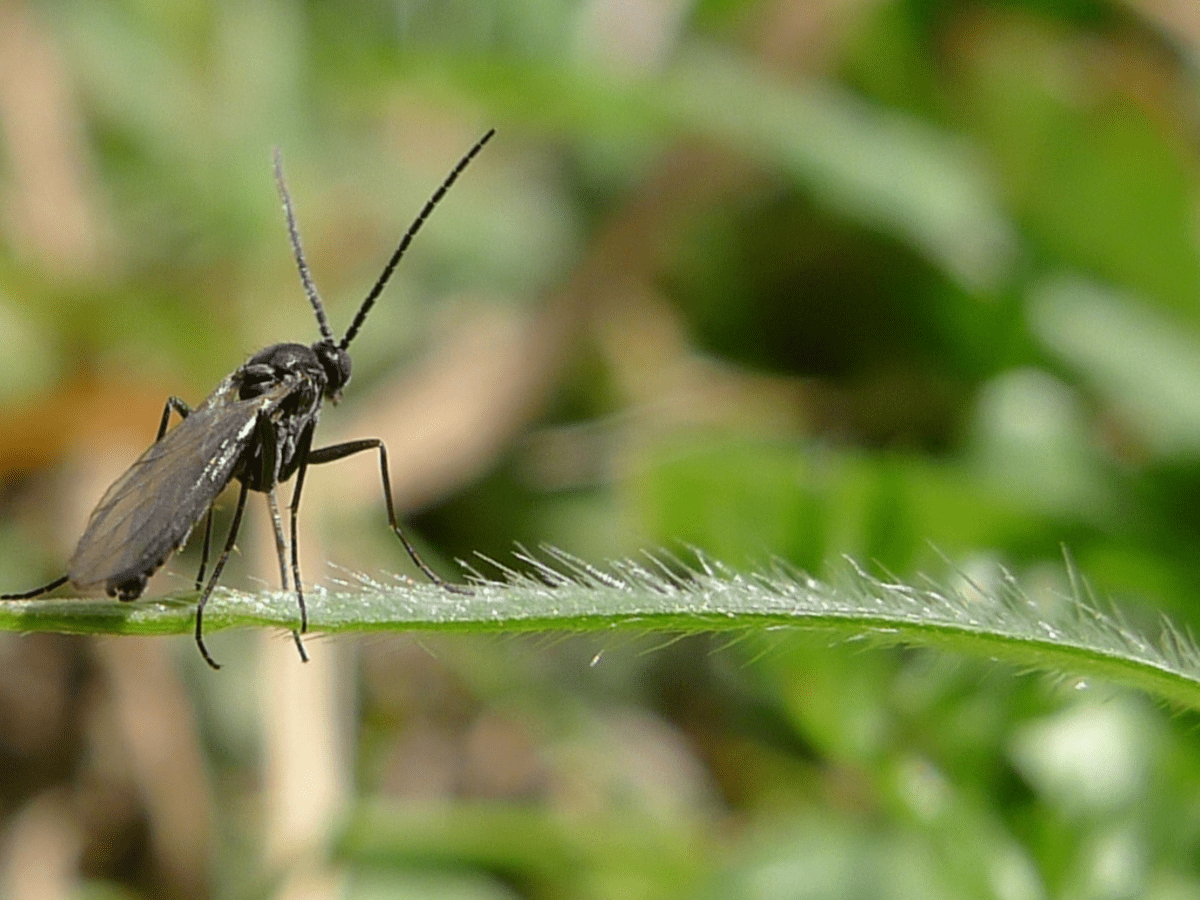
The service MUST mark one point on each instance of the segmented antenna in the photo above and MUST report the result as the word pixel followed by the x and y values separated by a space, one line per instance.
pixel 298 251
pixel 433 201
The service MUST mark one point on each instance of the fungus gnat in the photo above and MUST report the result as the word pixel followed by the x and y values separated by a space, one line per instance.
pixel 257 428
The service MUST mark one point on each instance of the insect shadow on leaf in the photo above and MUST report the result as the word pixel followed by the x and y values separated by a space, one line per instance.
pixel 256 428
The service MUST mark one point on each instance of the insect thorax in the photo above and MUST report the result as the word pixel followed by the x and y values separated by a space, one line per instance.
pixel 294 376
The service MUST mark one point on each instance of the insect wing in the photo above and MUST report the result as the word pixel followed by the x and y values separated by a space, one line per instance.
pixel 150 510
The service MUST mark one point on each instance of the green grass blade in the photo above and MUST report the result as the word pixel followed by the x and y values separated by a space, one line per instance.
pixel 1050 632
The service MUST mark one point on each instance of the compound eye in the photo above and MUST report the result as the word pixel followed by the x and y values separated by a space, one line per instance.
pixel 336 363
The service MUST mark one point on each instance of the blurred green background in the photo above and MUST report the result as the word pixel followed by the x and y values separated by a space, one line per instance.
pixel 914 281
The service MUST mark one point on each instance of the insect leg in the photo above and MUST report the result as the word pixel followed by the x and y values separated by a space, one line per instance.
pixel 341 451
pixel 281 551
pixel 212 580
pixel 280 547
pixel 36 592
pixel 204 549
pixel 302 455
pixel 267 439
pixel 173 403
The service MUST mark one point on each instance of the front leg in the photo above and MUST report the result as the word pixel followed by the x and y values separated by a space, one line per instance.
pixel 268 440
pixel 302 459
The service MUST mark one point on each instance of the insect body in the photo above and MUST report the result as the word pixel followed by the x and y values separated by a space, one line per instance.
pixel 257 428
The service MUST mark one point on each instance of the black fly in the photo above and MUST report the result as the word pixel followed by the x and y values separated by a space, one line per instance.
pixel 256 427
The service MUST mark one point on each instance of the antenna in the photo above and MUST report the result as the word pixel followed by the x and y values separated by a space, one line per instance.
pixel 298 251
pixel 432 202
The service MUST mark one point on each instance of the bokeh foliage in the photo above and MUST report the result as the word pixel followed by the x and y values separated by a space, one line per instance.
pixel 915 281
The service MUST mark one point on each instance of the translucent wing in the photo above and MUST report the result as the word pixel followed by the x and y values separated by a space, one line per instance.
pixel 150 510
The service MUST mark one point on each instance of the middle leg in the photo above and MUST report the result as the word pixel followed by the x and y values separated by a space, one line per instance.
pixel 341 451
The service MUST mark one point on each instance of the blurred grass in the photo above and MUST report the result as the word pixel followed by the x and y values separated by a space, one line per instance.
pixel 767 279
